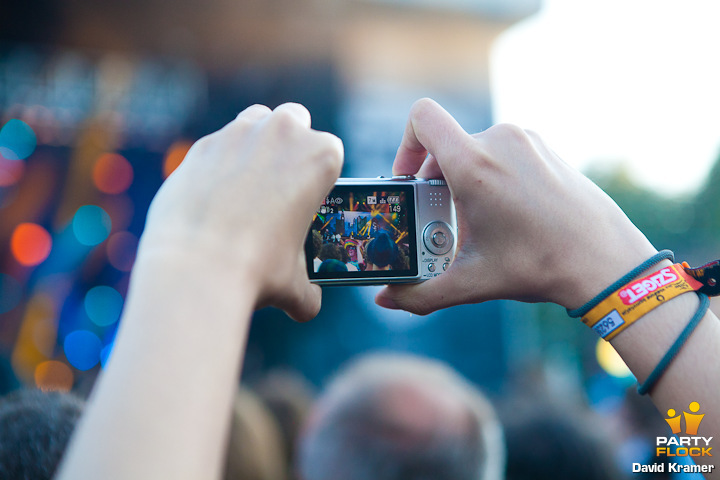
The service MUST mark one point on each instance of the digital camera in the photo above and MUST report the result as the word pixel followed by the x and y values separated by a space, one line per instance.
pixel 382 230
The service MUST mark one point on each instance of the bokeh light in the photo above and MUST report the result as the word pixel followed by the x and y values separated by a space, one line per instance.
pixel 10 171
pixel 103 305
pixel 17 140
pixel 112 173
pixel 10 293
pixel 91 225
pixel 175 155
pixel 82 349
pixel 54 376
pixel 121 249
pixel 30 244
pixel 610 360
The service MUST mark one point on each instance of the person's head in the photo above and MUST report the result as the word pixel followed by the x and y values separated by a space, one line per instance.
pixel 315 243
pixel 330 251
pixel 332 266
pixel 35 428
pixel 546 441
pixel 381 250
pixel 289 396
pixel 402 262
pixel 351 249
pixel 397 417
pixel 255 447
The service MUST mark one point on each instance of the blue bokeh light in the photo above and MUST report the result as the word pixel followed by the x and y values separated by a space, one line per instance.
pixel 91 225
pixel 103 305
pixel 82 349
pixel 17 140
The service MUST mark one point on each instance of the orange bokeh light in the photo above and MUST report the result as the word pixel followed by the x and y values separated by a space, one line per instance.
pixel 175 155
pixel 112 173
pixel 30 244
pixel 54 376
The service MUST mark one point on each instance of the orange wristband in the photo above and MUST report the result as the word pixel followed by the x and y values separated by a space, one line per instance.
pixel 630 302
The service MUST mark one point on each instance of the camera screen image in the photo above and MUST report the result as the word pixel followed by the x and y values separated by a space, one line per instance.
pixel 364 231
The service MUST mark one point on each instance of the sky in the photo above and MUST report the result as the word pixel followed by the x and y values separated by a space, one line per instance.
pixel 629 82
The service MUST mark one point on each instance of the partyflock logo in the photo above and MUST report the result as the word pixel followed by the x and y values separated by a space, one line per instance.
pixel 683 443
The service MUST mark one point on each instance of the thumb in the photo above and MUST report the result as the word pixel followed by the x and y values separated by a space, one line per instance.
pixel 296 296
pixel 446 290
pixel 430 129
pixel 304 304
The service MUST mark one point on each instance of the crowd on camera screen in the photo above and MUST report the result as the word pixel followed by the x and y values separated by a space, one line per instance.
pixel 359 241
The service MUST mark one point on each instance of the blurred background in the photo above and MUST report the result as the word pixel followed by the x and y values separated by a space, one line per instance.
pixel 100 101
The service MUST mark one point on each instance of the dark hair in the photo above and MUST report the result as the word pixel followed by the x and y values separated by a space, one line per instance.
pixel 549 442
pixel 330 251
pixel 402 262
pixel 332 265
pixel 382 250
pixel 315 243
pixel 35 428
pixel 400 417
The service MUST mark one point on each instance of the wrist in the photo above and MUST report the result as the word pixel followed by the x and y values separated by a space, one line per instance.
pixel 598 270
pixel 183 273
pixel 205 257
pixel 646 341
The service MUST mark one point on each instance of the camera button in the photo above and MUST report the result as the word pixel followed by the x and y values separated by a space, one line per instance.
pixel 431 267
pixel 439 239
pixel 445 266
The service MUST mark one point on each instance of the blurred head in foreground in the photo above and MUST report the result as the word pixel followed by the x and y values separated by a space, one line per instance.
pixel 548 441
pixel 401 417
pixel 255 450
pixel 35 428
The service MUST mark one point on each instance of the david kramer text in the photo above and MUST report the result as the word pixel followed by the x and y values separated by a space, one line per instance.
pixel 672 468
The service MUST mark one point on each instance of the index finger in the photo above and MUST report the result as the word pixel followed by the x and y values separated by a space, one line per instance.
pixel 430 129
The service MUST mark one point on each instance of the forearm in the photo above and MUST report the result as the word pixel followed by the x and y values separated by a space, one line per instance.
pixel 692 376
pixel 161 408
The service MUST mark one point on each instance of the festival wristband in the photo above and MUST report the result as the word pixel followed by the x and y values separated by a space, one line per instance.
pixel 630 302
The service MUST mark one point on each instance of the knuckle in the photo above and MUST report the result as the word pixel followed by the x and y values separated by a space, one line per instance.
pixel 421 106
pixel 202 145
pixel 283 120
pixel 510 132
pixel 330 155
pixel 298 108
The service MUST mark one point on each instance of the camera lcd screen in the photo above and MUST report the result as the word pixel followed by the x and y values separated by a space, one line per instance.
pixel 364 231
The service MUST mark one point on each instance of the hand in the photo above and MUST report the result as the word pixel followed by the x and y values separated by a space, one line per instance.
pixel 243 199
pixel 530 227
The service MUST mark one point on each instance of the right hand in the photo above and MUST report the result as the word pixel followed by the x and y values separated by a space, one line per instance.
pixel 530 227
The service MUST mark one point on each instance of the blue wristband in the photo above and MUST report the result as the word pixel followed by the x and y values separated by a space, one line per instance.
pixel 675 349
pixel 654 260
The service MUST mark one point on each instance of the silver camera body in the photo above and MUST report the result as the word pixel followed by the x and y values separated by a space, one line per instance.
pixel 375 231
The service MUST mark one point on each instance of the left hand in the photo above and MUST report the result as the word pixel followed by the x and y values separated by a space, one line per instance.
pixel 242 201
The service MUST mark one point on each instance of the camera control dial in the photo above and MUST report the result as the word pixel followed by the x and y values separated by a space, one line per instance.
pixel 438 238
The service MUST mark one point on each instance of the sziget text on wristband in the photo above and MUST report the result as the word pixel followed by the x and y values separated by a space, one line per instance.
pixel 632 301
pixel 652 261
pixel 627 300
